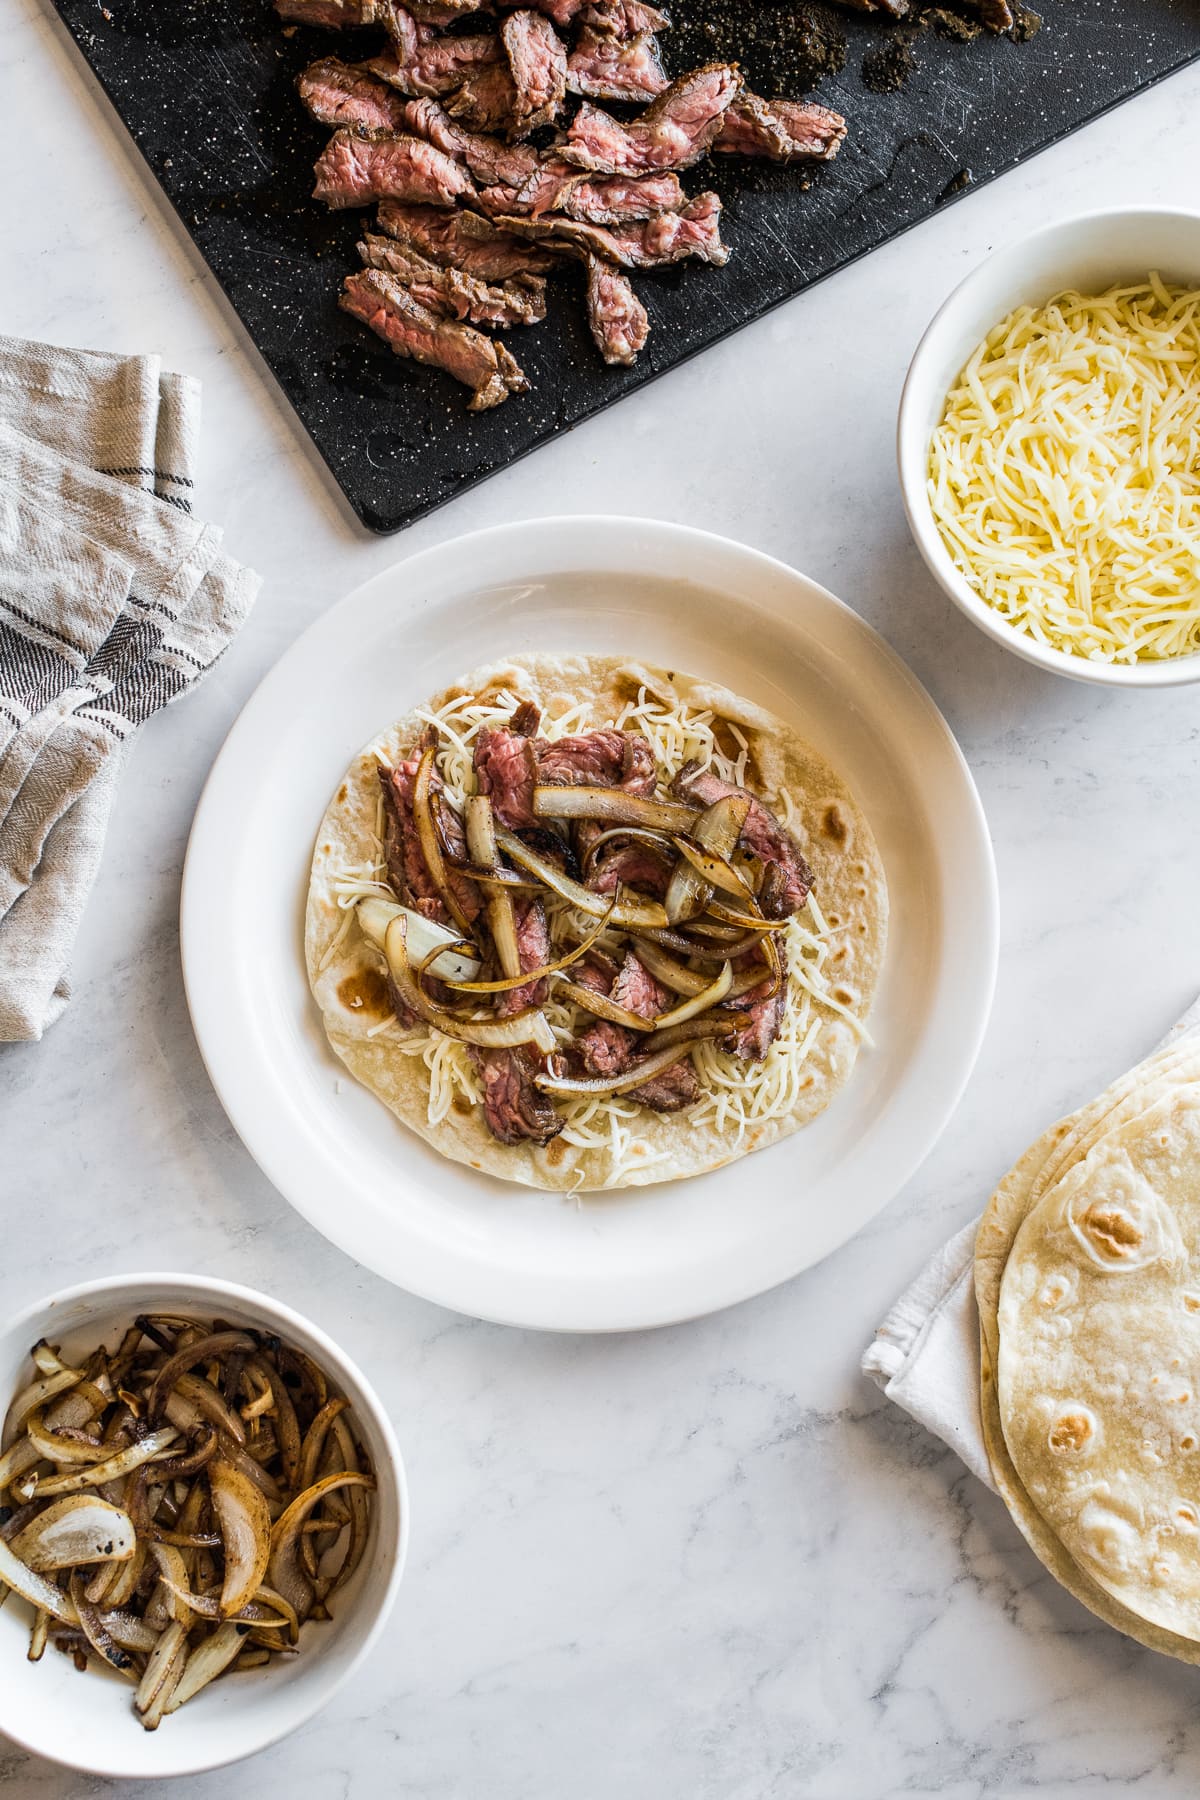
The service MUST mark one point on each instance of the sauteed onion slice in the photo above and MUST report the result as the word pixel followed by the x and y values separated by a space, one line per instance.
pixel 198 1436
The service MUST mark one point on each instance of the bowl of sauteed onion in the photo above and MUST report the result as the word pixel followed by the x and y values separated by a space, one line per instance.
pixel 203 1522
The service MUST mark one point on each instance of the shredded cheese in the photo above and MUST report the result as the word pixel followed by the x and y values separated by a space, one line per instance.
pixel 1065 473
pixel 738 1095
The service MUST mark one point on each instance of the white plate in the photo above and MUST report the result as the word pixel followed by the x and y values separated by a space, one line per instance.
pixel 642 1256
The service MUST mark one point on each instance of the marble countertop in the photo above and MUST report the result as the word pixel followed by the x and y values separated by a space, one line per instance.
pixel 710 1563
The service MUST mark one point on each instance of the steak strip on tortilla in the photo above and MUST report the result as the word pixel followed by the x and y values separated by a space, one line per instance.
pixel 584 929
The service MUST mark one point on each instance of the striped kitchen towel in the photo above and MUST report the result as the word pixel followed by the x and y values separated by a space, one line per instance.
pixel 114 601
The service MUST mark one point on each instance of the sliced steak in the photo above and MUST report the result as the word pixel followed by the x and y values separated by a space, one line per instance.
pixel 548 186
pixel 533 943
pixel 639 244
pixel 537 60
pixel 781 130
pixel 637 991
pixel 452 294
pixel 561 11
pixel 762 835
pixel 766 1017
pixel 670 1090
pixel 615 199
pixel 435 65
pixel 440 13
pixel 486 100
pixel 674 132
pixel 608 1049
pixel 407 870
pixel 517 1112
pixel 336 14
pixel 605 67
pixel 480 363
pixel 630 865
pixel 604 758
pixel 464 241
pixel 338 93
pixel 506 770
pixel 617 319
pixel 358 167
pixel 623 18
pixel 490 160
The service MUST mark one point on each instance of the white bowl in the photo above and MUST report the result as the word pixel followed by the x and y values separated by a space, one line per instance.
pixel 87 1720
pixel 1088 253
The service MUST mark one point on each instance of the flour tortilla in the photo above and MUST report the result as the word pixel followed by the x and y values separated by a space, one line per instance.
pixel 829 826
pixel 1045 1162
pixel 1099 1372
pixel 1055 1152
pixel 1011 1203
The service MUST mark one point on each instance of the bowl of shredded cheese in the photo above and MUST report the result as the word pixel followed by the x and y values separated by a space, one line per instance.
pixel 1049 448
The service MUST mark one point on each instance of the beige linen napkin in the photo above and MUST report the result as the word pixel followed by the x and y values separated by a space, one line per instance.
pixel 925 1354
pixel 113 602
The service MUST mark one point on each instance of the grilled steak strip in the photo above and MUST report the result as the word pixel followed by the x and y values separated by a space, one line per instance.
pixel 533 945
pixel 615 199
pixel 674 132
pixel 562 12
pixel 644 244
pixel 407 871
pixel 453 295
pixel 506 770
pixel 623 18
pixel 335 14
pixel 464 241
pixel 434 65
pixel 781 130
pixel 617 319
pixel 603 758
pixel 440 13
pixel 486 99
pixel 762 835
pixel 670 1090
pixel 537 60
pixel 516 1111
pixel 605 67
pixel 554 186
pixel 490 160
pixel 357 167
pixel 338 93
pixel 410 329
pixel 511 761
pixel 608 1049
pixel 766 1019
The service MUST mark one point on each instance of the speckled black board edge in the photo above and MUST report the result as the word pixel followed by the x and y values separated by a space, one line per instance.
pixel 205 89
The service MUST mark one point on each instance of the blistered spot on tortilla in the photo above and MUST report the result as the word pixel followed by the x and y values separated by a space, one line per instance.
pixel 834 824
pixel 843 996
pixel 461 1105
pixel 365 991
pixel 555 1151
pixel 342 792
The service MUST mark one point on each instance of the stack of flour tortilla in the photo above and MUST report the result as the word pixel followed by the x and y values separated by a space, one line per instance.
pixel 1087 1273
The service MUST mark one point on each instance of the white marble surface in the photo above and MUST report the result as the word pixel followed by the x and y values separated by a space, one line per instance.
pixel 710 1563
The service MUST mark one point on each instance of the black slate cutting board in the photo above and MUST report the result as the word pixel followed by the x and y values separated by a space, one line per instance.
pixel 205 88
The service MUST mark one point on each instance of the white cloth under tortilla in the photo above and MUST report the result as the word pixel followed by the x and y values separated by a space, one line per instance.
pixel 925 1354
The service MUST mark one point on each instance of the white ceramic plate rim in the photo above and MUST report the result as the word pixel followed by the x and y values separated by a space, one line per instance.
pixel 227 1031
pixel 209 1291
pixel 912 448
